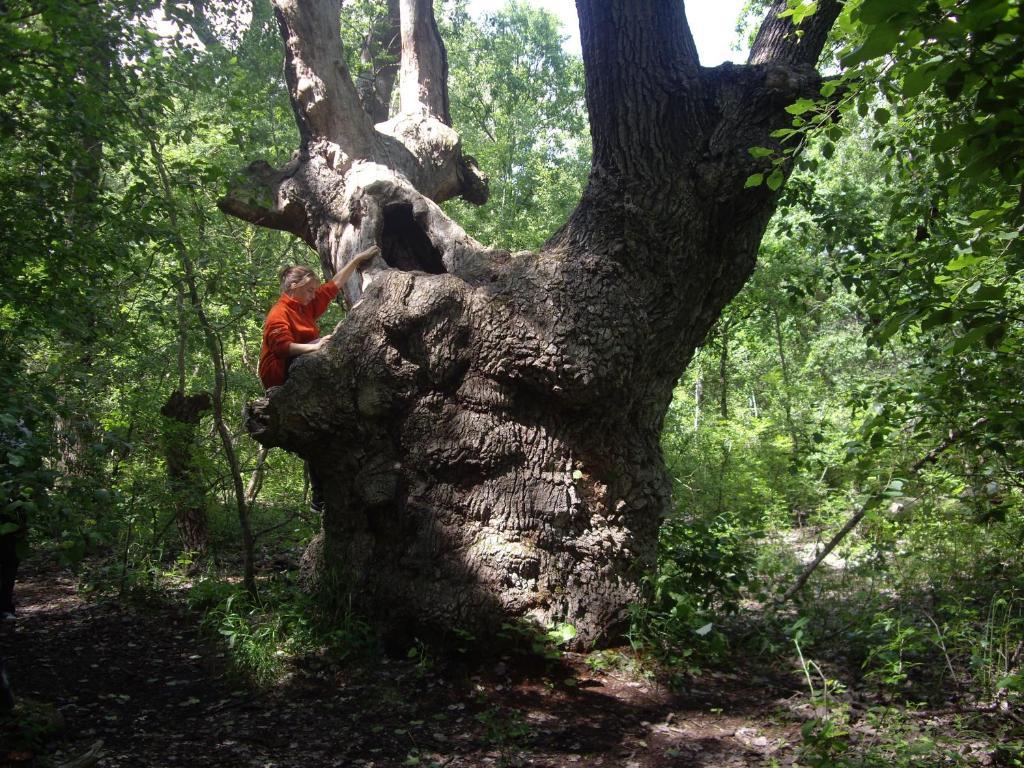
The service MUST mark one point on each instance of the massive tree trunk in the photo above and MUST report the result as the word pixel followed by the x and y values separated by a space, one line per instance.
pixel 487 423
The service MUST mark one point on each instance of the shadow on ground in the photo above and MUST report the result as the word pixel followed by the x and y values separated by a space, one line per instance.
pixel 141 679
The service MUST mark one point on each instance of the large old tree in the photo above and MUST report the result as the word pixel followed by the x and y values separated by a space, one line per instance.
pixel 487 423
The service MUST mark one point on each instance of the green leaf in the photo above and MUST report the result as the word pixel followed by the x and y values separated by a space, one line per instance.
pixel 994 338
pixel 967 341
pixel 1012 683
pixel 918 80
pixel 950 137
pixel 878 11
pixel 879 42
pixel 882 115
pixel 989 293
pixel 760 151
pixel 954 84
pixel 754 180
pixel 561 634
pixel 6 528
pixel 803 11
pixel 775 180
pixel 800 106
pixel 983 164
pixel 940 317
pixel 963 261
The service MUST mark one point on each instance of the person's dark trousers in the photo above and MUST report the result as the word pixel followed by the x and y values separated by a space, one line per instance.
pixel 8 570
pixel 316 490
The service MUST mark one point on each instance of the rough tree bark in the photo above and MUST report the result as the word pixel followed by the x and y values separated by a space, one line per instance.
pixel 487 423
pixel 185 478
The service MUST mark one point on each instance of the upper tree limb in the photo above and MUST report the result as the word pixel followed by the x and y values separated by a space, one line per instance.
pixel 778 40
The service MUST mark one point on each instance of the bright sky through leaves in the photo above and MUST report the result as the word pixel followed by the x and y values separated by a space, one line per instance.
pixel 713 23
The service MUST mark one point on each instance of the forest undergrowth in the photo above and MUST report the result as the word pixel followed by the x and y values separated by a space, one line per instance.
pixel 861 395
pixel 860 670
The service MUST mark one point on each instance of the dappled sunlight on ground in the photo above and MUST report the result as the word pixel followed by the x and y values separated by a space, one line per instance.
pixel 140 677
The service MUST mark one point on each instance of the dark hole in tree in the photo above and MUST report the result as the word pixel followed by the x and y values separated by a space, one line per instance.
pixel 405 245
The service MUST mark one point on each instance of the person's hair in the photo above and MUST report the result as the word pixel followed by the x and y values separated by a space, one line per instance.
pixel 292 276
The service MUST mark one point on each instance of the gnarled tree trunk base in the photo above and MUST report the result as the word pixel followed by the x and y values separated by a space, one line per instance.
pixel 486 425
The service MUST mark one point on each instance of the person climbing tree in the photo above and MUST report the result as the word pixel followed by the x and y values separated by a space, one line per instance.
pixel 290 329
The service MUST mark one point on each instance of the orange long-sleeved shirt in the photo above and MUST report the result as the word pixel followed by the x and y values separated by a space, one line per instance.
pixel 288 322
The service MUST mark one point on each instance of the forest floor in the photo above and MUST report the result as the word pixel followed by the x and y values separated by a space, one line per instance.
pixel 136 683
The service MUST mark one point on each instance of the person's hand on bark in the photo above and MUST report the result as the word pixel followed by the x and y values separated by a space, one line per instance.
pixel 358 260
pixel 369 253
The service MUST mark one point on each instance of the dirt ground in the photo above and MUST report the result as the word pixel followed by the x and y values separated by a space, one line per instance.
pixel 138 685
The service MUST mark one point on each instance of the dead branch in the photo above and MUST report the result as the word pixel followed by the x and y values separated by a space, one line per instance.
pixel 857 516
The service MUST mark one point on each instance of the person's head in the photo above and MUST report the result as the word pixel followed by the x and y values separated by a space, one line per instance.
pixel 298 282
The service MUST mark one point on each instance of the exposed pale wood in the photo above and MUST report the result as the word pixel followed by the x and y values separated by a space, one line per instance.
pixel 252 490
pixel 324 98
pixel 424 83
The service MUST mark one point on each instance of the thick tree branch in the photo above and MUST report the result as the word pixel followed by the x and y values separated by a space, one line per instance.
pixel 632 51
pixel 380 57
pixel 266 200
pixel 324 97
pixel 424 62
pixel 777 40
pixel 254 214
pixel 339 132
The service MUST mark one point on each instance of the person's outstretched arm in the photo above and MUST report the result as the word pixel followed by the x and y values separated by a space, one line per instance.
pixel 343 274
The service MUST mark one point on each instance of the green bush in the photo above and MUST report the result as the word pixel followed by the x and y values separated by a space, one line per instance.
pixel 261 637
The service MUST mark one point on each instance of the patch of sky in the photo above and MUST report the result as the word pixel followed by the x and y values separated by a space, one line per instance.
pixel 712 22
